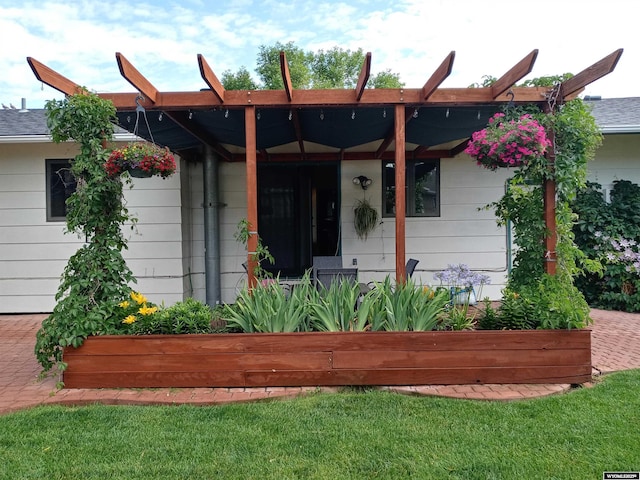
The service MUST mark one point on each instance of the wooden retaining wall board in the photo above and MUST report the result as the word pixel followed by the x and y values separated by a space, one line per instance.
pixel 328 358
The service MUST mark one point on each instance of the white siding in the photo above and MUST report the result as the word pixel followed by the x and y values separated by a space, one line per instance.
pixel 617 159
pixel 461 234
pixel 34 252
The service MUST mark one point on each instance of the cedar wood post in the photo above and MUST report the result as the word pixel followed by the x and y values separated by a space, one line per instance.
pixel 400 192
pixel 252 192
pixel 549 202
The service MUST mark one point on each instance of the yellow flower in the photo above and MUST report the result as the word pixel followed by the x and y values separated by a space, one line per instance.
pixel 429 292
pixel 124 304
pixel 129 320
pixel 144 310
pixel 138 298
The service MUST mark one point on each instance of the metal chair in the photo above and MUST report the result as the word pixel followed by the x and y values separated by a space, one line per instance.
pixel 326 276
pixel 324 262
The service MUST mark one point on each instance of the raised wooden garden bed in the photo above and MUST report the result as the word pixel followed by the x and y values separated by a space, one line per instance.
pixel 345 358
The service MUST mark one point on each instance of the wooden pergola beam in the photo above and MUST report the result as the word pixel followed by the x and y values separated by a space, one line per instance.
pixel 135 78
pixel 337 156
pixel 459 148
pixel 286 76
pixel 53 78
pixel 334 98
pixel 295 118
pixel 591 74
pixel 210 78
pixel 390 137
pixel 182 119
pixel 439 76
pixel 363 78
pixel 517 72
pixel 288 89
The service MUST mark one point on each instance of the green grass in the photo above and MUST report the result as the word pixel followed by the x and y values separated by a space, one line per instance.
pixel 353 435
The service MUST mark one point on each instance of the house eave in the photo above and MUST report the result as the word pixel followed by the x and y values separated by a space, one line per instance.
pixel 618 129
pixel 22 139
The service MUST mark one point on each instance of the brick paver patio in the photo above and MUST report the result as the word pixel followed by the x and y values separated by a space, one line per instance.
pixel 615 346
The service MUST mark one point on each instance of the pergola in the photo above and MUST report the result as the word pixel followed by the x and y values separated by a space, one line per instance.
pixel 337 124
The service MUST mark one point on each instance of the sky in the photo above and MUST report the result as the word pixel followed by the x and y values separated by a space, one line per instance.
pixel 79 39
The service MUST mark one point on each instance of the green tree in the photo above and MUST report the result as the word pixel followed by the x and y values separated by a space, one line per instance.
pixel 333 68
pixel 268 66
pixel 241 80
pixel 385 79
pixel 336 68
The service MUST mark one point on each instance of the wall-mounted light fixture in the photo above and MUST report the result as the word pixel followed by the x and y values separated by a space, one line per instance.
pixel 363 181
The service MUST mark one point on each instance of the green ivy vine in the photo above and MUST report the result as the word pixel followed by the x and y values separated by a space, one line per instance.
pixel 96 276
pixel 577 138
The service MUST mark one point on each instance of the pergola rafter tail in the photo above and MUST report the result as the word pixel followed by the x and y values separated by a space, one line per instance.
pixel 517 72
pixel 439 76
pixel 591 74
pixel 52 78
pixel 135 78
pixel 210 78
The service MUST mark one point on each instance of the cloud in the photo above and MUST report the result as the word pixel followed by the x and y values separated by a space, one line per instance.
pixel 409 37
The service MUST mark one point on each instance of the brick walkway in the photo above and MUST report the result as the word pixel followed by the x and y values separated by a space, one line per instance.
pixel 615 346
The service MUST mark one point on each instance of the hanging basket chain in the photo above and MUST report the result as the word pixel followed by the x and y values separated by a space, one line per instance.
pixel 141 110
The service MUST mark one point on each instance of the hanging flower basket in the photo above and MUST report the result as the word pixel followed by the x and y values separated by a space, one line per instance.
pixel 511 143
pixel 141 160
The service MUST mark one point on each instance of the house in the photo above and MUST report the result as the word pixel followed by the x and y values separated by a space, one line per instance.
pixel 293 162
pixel 617 158
pixel 34 249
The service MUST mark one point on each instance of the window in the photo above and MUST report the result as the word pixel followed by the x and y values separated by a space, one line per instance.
pixel 422 188
pixel 60 185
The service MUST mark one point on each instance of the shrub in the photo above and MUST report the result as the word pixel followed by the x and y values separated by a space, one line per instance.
pixel 405 306
pixel 188 316
pixel 269 308
pixel 550 303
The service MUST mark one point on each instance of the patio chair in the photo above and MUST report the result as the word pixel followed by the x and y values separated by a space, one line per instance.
pixel 410 267
pixel 326 276
pixel 321 262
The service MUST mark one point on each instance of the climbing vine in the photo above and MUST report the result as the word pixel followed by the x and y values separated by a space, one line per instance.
pixel 521 208
pixel 96 276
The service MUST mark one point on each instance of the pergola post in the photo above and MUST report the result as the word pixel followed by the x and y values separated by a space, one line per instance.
pixel 401 201
pixel 252 192
pixel 551 234
pixel 549 202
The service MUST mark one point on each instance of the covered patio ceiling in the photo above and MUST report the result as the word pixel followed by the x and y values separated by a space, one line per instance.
pixel 315 125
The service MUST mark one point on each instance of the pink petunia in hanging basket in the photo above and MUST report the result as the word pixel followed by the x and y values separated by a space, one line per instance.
pixel 512 143
pixel 141 159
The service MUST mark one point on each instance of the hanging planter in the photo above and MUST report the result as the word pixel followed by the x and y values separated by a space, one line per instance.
pixel 141 160
pixel 365 218
pixel 505 143
pixel 139 173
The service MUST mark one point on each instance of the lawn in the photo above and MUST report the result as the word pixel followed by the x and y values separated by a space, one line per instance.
pixel 356 434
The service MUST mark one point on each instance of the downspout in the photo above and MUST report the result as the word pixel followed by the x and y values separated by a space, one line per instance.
pixel 211 226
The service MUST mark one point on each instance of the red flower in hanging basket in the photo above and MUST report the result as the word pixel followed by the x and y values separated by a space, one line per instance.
pixel 511 143
pixel 141 159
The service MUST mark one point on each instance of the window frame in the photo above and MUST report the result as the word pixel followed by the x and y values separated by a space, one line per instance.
pixel 53 165
pixel 410 188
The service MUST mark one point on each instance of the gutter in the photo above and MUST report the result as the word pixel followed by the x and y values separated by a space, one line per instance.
pixel 613 129
pixel 118 137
